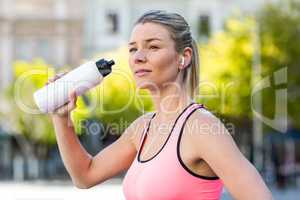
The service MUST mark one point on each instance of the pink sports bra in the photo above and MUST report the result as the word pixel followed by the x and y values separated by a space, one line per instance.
pixel 165 176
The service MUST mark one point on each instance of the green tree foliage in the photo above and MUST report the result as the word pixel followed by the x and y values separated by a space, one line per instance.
pixel 280 35
pixel 227 61
pixel 19 104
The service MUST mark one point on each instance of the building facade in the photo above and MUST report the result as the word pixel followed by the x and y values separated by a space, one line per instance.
pixel 48 29
pixel 66 31
pixel 109 22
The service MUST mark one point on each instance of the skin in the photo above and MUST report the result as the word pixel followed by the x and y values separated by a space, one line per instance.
pixel 151 47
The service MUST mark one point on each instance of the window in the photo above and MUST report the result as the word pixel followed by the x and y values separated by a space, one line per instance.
pixel 29 48
pixel 204 26
pixel 113 22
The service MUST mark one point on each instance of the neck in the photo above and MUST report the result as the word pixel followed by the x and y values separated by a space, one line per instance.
pixel 170 101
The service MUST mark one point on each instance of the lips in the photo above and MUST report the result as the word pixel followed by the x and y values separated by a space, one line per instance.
pixel 142 72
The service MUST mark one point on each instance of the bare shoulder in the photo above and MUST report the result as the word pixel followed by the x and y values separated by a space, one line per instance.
pixel 204 121
pixel 213 143
pixel 135 129
pixel 205 130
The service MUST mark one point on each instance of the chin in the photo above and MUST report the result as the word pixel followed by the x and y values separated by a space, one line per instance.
pixel 146 84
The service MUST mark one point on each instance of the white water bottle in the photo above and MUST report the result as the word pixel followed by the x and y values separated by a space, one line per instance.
pixel 81 79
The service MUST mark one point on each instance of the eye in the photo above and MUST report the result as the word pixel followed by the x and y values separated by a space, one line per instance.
pixel 153 47
pixel 132 50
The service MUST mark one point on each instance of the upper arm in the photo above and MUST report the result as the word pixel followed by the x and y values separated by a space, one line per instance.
pixel 215 145
pixel 116 157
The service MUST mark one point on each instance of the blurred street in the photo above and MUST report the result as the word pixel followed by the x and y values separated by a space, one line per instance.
pixel 112 189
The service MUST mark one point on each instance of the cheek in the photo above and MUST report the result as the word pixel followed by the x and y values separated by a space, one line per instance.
pixel 164 63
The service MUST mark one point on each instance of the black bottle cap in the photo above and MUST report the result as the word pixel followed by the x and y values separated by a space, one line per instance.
pixel 104 66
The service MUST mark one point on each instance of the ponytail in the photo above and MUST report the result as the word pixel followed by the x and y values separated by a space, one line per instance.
pixel 191 73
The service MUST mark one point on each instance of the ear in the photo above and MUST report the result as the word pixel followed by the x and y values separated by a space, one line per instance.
pixel 186 58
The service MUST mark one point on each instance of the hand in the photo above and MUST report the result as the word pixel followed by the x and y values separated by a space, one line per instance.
pixel 64 110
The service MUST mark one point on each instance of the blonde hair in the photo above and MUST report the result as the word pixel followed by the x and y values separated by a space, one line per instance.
pixel 181 34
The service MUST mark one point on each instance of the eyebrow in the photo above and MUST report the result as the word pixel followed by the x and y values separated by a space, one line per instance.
pixel 147 40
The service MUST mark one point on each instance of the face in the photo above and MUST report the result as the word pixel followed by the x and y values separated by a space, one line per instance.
pixel 152 56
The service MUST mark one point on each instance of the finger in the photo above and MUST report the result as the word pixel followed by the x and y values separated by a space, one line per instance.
pixel 73 100
pixel 56 76
pixel 62 111
pixel 59 75
pixel 72 95
pixel 68 107
pixel 50 80
pixel 71 106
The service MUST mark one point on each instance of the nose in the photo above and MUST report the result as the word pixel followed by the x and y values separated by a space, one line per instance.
pixel 140 57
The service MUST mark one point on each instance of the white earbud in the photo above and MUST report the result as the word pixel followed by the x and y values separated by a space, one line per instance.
pixel 182 61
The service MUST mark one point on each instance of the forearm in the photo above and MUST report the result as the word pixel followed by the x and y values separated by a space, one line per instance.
pixel 75 158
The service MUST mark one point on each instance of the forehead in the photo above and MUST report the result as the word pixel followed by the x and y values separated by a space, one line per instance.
pixel 148 30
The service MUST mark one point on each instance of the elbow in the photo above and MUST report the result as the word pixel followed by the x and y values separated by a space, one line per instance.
pixel 84 180
pixel 85 183
pixel 82 184
pixel 81 180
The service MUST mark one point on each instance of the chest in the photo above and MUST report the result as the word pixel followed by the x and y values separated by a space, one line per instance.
pixel 162 135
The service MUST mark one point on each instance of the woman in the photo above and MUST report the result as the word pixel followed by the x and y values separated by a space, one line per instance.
pixel 175 152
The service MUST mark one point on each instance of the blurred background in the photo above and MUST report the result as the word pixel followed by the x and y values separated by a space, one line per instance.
pixel 250 79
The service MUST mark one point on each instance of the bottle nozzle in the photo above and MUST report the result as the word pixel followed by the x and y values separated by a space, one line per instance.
pixel 104 66
pixel 111 62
